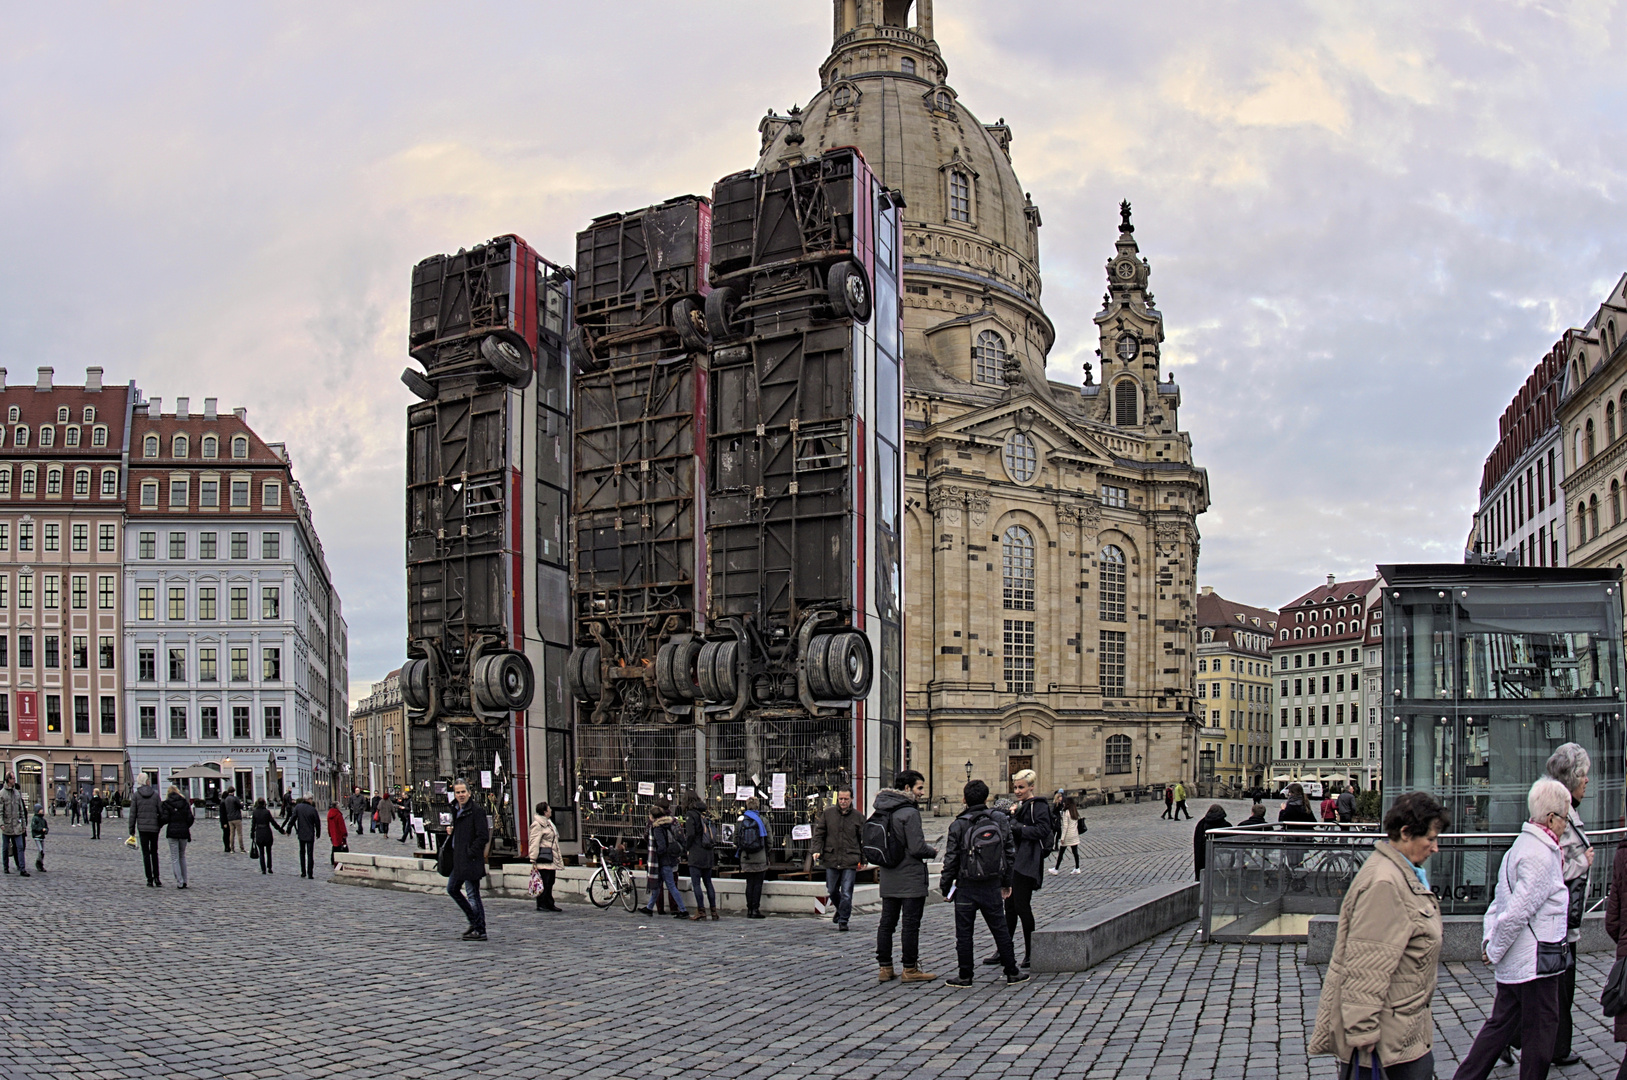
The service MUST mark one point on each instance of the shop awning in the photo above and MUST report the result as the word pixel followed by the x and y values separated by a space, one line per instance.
pixel 207 770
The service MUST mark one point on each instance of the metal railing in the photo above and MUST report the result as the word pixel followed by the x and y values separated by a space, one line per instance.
pixel 1265 883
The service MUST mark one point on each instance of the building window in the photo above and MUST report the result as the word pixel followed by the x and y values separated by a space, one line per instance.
pixel 149 722
pixel 270 602
pixel 146 604
pixel 240 665
pixel 206 602
pixel 1110 662
pixel 149 446
pixel 240 448
pixel 25 592
pixel 270 545
pixel 209 494
pixel 240 493
pixel 177 604
pixel 20 436
pixel 146 665
pixel 271 664
pixel 1017 564
pixel 98 435
pixel 70 435
pixel 960 197
pixel 104 653
pixel 149 493
pixel 1019 657
pixel 989 359
pixel 1116 496
pixel 104 592
pixel 5 480
pixel 1021 457
pixel 273 721
pixel 177 722
pixel 240 545
pixel 1118 754
pixel 81 537
pixel 206 545
pixel 271 496
pixel 177 494
pixel 240 603
pixel 177 545
pixel 110 716
pixel 81 483
pixel 28 480
pixel 240 722
pixel 208 665
pixel 1124 403
pixel 53 537
pixel 47 435
pixel 1111 573
pixel 906 65
pixel 52 592
pixel 210 446
pixel 179 444
pixel 110 482
pixel 81 592
pixel 177 665
pixel 208 722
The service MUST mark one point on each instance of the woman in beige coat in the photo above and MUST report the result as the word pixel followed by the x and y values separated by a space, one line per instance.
pixel 545 857
pixel 1382 977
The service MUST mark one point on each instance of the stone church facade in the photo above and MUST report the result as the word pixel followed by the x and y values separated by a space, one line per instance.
pixel 1051 536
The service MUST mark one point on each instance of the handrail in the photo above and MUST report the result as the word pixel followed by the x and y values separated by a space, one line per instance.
pixel 1277 828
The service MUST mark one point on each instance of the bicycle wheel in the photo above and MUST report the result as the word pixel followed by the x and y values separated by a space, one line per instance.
pixel 629 891
pixel 601 892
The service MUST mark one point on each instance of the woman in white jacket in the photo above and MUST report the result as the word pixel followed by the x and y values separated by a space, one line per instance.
pixel 1523 938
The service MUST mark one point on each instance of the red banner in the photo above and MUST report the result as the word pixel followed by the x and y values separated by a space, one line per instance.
pixel 28 716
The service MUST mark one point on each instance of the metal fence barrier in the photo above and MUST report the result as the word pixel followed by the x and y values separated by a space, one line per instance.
pixel 1265 883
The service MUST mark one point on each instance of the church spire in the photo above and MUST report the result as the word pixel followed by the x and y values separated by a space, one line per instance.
pixel 887 35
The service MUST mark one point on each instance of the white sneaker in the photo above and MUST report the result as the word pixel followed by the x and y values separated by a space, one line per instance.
pixel 1076 870
pixel 1052 871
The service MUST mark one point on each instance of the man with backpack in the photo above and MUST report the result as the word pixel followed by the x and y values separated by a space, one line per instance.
pixel 978 864
pixel 751 842
pixel 838 843
pixel 893 842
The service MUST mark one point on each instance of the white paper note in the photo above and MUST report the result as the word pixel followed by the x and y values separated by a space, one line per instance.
pixel 646 787
pixel 728 783
pixel 802 832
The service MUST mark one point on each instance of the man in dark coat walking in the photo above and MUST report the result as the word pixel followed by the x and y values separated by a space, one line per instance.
pixel 144 826
pixel 470 835
pixel 231 820
pixel 307 823
pixel 356 804
pixel 96 808
pixel 838 840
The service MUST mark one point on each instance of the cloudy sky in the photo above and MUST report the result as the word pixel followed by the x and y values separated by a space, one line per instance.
pixel 1366 221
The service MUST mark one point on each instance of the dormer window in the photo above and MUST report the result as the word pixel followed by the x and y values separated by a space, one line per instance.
pixel 943 102
pixel 179 445
pixel 20 438
pixel 13 415
pixel 98 435
pixel 240 448
pixel 149 446
pixel 90 414
pixel 62 414
pixel 842 97
pixel 960 197
pixel 70 435
pixel 47 435
pixel 989 359
pixel 211 446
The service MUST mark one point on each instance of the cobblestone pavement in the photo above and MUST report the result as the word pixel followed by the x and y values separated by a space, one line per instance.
pixel 254 976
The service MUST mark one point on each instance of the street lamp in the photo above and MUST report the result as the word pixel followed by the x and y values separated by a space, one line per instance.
pixel 1138 779
pixel 969 772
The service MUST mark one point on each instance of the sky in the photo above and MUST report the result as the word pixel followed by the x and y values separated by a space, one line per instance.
pixel 1366 222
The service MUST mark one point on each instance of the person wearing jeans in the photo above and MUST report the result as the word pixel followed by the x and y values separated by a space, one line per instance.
pixel 307 823
pixel 471 834
pixel 178 818
pixel 904 887
pixel 668 850
pixel 838 842
pixel 700 839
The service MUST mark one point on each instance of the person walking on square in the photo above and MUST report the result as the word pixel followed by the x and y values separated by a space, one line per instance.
pixel 178 817
pixel 1214 819
pixel 260 829
pixel 1169 803
pixel 1031 831
pixel 1345 807
pixel 14 826
pixel 386 815
pixel 39 828
pixel 358 802
pixel 701 838
pixel 545 855
pixel 1570 765
pixel 1523 938
pixel 1381 979
pixel 144 826
pixel 307 823
pixel 977 870
pixel 96 808
pixel 403 810
pixel 1180 802
pixel 471 834
pixel 73 810
pixel 669 851
pixel 751 841
pixel 904 886
pixel 337 834
pixel 1068 839
pixel 231 820
pixel 838 843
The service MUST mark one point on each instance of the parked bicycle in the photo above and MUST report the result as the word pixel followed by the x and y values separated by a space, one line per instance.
pixel 613 879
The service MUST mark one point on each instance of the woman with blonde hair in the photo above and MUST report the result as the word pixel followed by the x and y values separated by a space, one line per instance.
pixel 1031 828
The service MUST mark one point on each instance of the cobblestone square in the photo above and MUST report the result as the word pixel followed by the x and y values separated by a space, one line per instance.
pixel 244 975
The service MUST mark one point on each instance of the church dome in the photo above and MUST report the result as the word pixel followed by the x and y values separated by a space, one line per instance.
pixel 971 235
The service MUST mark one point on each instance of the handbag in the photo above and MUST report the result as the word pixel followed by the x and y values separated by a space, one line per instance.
pixel 1614 999
pixel 254 849
pixel 443 858
pixel 535 885
pixel 545 857
pixel 1351 1070
pixel 1553 957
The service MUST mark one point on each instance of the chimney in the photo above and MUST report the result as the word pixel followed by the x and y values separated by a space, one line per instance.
pixel 44 382
pixel 183 407
pixel 155 406
pixel 1330 581
pixel 209 407
pixel 93 378
pixel 1208 590
pixel 241 413
pixel 2 378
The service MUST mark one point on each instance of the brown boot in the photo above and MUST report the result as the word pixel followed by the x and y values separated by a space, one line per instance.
pixel 886 974
pixel 698 916
pixel 915 974
pixel 714 914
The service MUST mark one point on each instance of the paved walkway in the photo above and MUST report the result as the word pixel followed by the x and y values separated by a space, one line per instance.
pixel 255 976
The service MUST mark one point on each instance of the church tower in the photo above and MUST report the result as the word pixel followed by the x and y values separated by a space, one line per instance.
pixel 1050 530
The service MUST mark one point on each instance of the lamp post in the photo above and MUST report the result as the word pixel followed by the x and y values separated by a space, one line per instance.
pixel 969 768
pixel 1138 779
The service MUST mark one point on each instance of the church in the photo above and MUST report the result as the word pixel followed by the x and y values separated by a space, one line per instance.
pixel 1051 529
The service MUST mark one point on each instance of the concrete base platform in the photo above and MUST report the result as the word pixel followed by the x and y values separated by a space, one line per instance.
pixel 412 874
pixel 1078 944
pixel 1460 938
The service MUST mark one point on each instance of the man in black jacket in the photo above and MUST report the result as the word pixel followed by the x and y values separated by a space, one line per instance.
pixel 838 843
pixel 904 887
pixel 307 823
pixel 979 893
pixel 470 835
pixel 231 820
pixel 144 825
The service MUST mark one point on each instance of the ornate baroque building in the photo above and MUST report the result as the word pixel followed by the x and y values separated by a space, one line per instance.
pixel 1051 537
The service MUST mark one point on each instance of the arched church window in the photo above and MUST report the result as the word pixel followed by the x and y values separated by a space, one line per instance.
pixel 907 65
pixel 1112 584
pixel 1118 754
pixel 1609 422
pixel 1020 456
pixel 1587 439
pixel 1124 403
pixel 1593 516
pixel 1017 566
pixel 989 359
pixel 960 197
pixel 1615 503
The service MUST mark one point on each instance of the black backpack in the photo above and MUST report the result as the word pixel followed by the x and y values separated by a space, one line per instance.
pixel 706 839
pixel 882 846
pixel 983 850
pixel 748 838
